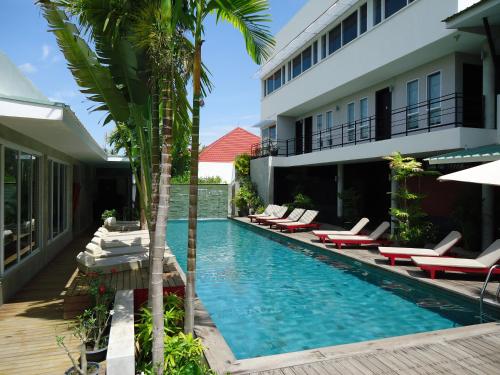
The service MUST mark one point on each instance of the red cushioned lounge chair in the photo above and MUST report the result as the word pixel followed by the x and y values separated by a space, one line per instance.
pixel 439 250
pixel 305 222
pixel 293 217
pixel 267 212
pixel 481 264
pixel 323 234
pixel 372 239
pixel 278 213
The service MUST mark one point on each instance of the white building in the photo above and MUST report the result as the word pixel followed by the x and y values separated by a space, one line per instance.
pixel 351 81
pixel 54 178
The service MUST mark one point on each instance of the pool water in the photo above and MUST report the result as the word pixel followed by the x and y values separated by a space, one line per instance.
pixel 267 296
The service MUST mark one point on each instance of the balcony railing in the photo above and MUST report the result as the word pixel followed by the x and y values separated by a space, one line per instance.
pixel 449 111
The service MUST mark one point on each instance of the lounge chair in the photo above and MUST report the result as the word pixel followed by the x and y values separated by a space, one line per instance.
pixel 481 264
pixel 323 234
pixel 306 221
pixel 107 232
pixel 293 217
pixel 111 242
pixel 278 213
pixel 267 212
pixel 97 251
pixel 439 250
pixel 372 239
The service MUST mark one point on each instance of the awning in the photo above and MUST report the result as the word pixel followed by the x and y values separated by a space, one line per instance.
pixel 265 124
pixel 486 174
pixel 473 155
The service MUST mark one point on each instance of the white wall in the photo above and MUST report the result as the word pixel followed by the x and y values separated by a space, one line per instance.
pixel 261 174
pixel 223 170
pixel 371 58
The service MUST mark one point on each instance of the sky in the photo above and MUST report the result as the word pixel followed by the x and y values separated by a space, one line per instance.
pixel 234 101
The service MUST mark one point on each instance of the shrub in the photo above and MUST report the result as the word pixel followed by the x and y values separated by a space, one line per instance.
pixel 247 196
pixel 301 201
pixel 242 166
pixel 107 214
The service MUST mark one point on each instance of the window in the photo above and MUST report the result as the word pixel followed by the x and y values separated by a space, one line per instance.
pixel 323 46
pixel 329 126
pixel 392 6
pixel 351 124
pixel 315 52
pixel 334 40
pixel 277 80
pixel 364 128
pixel 350 28
pixel 412 105
pixel 58 198
pixel 289 70
pixel 272 133
pixel 363 18
pixel 269 85
pixel 319 129
pixel 433 97
pixel 377 11
pixel 283 79
pixel 21 206
pixel 306 59
pixel 265 134
pixel 296 66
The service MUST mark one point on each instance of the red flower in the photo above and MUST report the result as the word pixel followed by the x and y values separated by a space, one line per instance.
pixel 113 270
pixel 102 289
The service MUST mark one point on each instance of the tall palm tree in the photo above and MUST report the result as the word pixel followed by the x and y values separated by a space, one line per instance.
pixel 246 16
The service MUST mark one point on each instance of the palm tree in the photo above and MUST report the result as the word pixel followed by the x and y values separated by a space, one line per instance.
pixel 246 16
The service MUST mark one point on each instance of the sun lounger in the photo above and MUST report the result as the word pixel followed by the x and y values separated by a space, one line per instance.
pixel 267 212
pixel 323 234
pixel 293 217
pixel 481 264
pixel 96 251
pixel 372 239
pixel 305 222
pixel 112 242
pixel 107 232
pixel 439 250
pixel 278 213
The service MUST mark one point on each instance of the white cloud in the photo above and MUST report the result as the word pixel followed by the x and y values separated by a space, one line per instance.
pixel 45 51
pixel 27 68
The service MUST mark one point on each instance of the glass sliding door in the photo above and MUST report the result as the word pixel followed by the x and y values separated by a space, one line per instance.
pixel 329 127
pixel 364 128
pixel 351 125
pixel 412 105
pixel 11 204
pixel 29 204
pixel 58 198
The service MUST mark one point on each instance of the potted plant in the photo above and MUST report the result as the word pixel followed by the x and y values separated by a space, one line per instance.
pixel 109 217
pixel 97 346
pixel 82 330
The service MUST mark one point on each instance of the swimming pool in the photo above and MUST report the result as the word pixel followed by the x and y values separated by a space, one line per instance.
pixel 269 296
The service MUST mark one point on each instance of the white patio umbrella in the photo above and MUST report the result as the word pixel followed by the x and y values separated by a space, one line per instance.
pixel 487 174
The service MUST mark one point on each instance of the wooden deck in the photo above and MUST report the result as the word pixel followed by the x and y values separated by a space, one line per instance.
pixel 30 322
pixel 467 350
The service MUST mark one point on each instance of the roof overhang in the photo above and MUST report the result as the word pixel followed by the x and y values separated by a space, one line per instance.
pixel 474 155
pixel 53 124
pixel 265 124
pixel 471 18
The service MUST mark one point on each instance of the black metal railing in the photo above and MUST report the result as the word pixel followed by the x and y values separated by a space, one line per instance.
pixel 448 111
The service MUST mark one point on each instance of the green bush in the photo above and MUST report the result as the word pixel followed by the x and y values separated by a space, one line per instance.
pixel 108 213
pixel 184 180
pixel 301 201
pixel 242 166
pixel 247 196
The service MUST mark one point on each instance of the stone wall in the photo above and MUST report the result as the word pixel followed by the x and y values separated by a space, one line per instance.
pixel 213 201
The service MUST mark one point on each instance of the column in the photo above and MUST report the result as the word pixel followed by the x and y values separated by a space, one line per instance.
pixel 488 88
pixel 487 216
pixel 340 190
pixel 394 202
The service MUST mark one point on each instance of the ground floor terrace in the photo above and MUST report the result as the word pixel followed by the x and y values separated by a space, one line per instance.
pixel 464 350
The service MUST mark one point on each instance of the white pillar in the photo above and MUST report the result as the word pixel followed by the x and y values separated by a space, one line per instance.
pixel 340 190
pixel 488 88
pixel 487 215
pixel 394 201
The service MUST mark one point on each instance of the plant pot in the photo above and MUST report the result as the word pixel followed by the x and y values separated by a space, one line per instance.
pixel 242 212
pixel 94 371
pixel 97 355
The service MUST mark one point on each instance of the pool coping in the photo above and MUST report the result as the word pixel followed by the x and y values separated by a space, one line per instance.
pixel 221 358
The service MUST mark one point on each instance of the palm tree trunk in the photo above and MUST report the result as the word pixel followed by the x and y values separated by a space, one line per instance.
pixel 193 187
pixel 160 233
pixel 155 171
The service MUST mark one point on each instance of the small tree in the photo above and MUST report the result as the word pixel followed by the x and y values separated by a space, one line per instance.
pixel 242 166
pixel 412 228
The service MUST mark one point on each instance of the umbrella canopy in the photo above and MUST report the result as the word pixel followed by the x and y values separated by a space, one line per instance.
pixel 487 174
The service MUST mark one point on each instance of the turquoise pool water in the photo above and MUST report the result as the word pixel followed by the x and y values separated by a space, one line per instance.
pixel 268 296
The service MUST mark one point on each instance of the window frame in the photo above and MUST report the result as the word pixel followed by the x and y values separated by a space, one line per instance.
pixel 412 110
pixel 364 122
pixel 353 17
pixel 351 124
pixel 51 238
pixel 430 107
pixel 39 222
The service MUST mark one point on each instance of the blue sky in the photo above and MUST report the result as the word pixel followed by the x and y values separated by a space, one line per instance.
pixel 235 100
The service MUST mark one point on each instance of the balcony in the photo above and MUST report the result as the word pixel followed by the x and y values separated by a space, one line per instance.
pixel 449 111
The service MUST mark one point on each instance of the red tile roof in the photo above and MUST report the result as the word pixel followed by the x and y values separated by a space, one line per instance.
pixel 225 149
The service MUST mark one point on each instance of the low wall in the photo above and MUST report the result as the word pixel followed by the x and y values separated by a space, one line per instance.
pixel 213 201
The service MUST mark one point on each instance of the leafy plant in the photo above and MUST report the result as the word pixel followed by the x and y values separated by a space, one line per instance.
pixel 301 201
pixel 247 197
pixel 412 228
pixel 242 166
pixel 350 201
pixel 107 214
pixel 184 180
